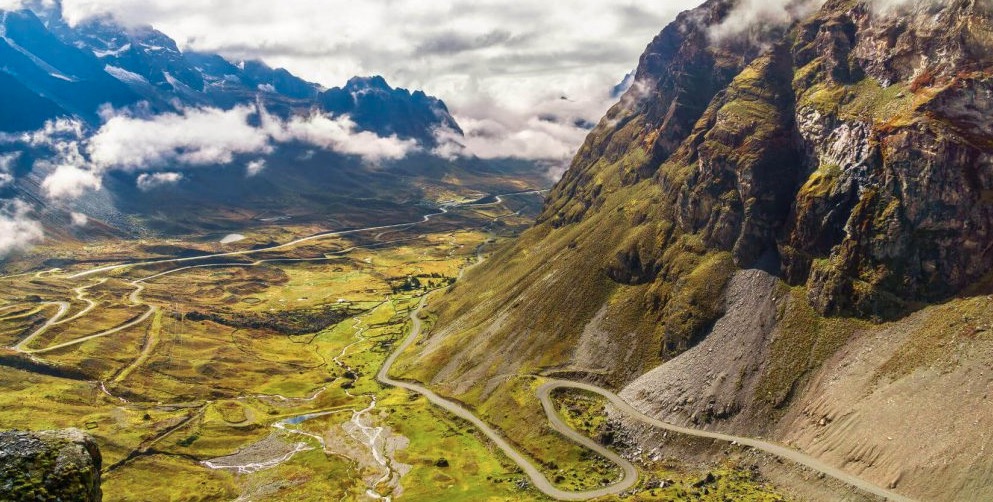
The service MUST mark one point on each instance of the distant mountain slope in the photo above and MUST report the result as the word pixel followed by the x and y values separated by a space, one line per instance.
pixel 70 77
pixel 151 62
pixel 24 109
pixel 849 155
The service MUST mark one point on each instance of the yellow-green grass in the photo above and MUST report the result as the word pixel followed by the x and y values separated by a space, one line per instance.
pixel 32 401
pixel 101 358
pixel 582 411
pixel 169 479
pixel 517 413
pixel 16 328
pixel 476 471
pixel 805 341
pixel 204 360
pixel 940 339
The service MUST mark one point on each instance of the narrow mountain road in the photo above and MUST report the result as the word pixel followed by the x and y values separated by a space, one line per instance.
pixel 151 341
pixel 134 298
pixel 63 310
pixel 144 317
pixel 545 391
pixel 630 472
pixel 426 218
pixel 81 296
pixel 539 480
pixel 21 315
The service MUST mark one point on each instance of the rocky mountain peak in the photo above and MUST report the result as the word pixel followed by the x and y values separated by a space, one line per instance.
pixel 375 105
pixel 375 82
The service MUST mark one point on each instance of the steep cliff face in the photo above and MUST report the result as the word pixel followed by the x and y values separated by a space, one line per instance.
pixel 872 127
pixel 848 155
pixel 894 113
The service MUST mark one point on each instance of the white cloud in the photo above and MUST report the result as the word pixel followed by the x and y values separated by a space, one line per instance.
pixel 151 181
pixel 762 14
pixel 338 134
pixel 550 127
pixel 7 161
pixel 65 138
pixel 210 136
pixel 79 219
pixel 255 167
pixel 519 55
pixel 69 173
pixel 536 140
pixel 18 232
pixel 58 130
pixel 750 15
pixel 70 182
pixel 193 137
pixel 190 138
pixel 19 4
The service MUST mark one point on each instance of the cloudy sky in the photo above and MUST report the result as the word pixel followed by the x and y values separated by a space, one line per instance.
pixel 499 64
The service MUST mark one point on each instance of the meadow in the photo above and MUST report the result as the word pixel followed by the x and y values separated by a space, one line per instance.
pixel 250 375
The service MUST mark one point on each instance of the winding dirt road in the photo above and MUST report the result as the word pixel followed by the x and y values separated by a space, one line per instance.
pixel 444 209
pixel 545 391
pixel 63 310
pixel 539 480
pixel 135 299
pixel 426 218
pixel 144 317
pixel 630 472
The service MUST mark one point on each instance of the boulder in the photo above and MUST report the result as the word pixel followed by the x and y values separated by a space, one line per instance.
pixel 49 466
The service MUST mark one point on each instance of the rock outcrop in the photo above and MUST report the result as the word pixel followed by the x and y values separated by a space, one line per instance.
pixel 49 466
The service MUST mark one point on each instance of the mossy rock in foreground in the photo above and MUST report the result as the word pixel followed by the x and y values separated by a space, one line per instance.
pixel 49 466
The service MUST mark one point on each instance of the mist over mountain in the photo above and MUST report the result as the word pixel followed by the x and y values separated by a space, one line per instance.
pixel 373 103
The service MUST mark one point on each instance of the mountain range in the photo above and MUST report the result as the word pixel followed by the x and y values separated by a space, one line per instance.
pixel 52 69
